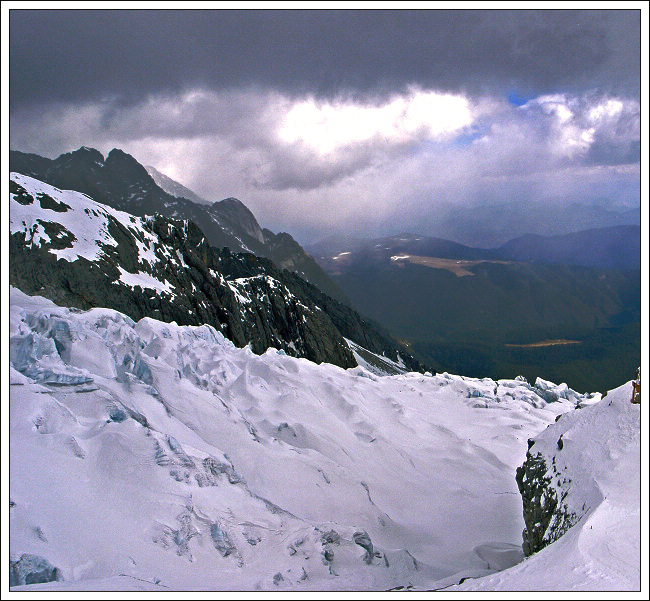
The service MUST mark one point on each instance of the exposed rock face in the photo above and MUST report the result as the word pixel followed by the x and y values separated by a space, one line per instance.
pixel 369 334
pixel 546 515
pixel 560 481
pixel 235 215
pixel 164 268
pixel 119 181
pixel 32 569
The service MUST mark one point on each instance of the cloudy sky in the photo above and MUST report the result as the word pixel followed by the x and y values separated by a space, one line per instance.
pixel 337 121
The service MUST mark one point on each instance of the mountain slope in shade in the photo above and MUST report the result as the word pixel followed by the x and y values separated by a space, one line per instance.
pixel 155 456
pixel 80 253
pixel 119 181
pixel 235 218
pixel 607 248
pixel 491 312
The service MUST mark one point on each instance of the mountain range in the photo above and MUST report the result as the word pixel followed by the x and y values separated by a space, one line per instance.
pixel 616 247
pixel 80 253
pixel 190 415
pixel 480 311
pixel 492 225
pixel 566 306
pixel 121 182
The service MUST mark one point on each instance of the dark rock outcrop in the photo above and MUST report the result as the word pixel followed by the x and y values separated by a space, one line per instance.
pixel 245 297
pixel 32 569
pixel 273 316
pixel 546 515
pixel 119 181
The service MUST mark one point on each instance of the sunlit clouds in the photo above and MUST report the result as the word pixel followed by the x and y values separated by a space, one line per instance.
pixel 577 124
pixel 363 121
pixel 326 127
pixel 310 166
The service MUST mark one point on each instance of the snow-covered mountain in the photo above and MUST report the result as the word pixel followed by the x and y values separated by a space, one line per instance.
pixel 80 253
pixel 152 456
pixel 150 451
pixel 121 182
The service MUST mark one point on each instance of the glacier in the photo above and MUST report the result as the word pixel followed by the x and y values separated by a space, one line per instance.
pixel 151 456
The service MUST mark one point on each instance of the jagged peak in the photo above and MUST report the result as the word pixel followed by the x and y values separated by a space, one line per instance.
pixel 117 157
pixel 83 152
pixel 119 154
pixel 232 204
pixel 233 209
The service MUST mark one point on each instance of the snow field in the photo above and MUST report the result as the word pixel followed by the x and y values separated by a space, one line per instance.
pixel 152 455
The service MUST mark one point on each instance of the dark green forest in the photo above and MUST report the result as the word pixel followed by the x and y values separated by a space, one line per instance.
pixel 465 325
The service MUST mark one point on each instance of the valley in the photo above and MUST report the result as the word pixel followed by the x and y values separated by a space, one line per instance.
pixel 275 427
pixel 545 343
pixel 492 312
pixel 459 267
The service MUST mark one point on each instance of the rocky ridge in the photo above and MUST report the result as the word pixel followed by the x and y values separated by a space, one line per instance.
pixel 79 253
pixel 563 478
pixel 121 182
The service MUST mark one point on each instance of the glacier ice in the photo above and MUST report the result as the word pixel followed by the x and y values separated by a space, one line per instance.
pixel 32 569
pixel 255 465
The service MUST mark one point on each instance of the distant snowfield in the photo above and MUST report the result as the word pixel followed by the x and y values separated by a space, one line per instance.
pixel 149 456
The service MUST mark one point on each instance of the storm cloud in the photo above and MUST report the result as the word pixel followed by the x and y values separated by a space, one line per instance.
pixel 79 55
pixel 341 120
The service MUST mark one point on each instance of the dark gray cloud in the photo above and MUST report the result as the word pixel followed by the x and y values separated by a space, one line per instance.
pixel 80 55
pixel 323 121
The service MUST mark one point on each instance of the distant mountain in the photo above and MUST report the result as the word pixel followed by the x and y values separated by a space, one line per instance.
pixel 335 244
pixel 491 226
pixel 490 312
pixel 173 187
pixel 616 247
pixel 119 181
pixel 335 253
pixel 417 300
pixel 80 253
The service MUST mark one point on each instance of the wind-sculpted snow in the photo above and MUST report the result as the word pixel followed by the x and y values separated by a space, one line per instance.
pixel 176 460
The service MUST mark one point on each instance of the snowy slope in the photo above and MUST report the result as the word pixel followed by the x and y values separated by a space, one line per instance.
pixel 148 455
pixel 120 181
pixel 596 453
pixel 81 253
pixel 72 226
pixel 377 364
